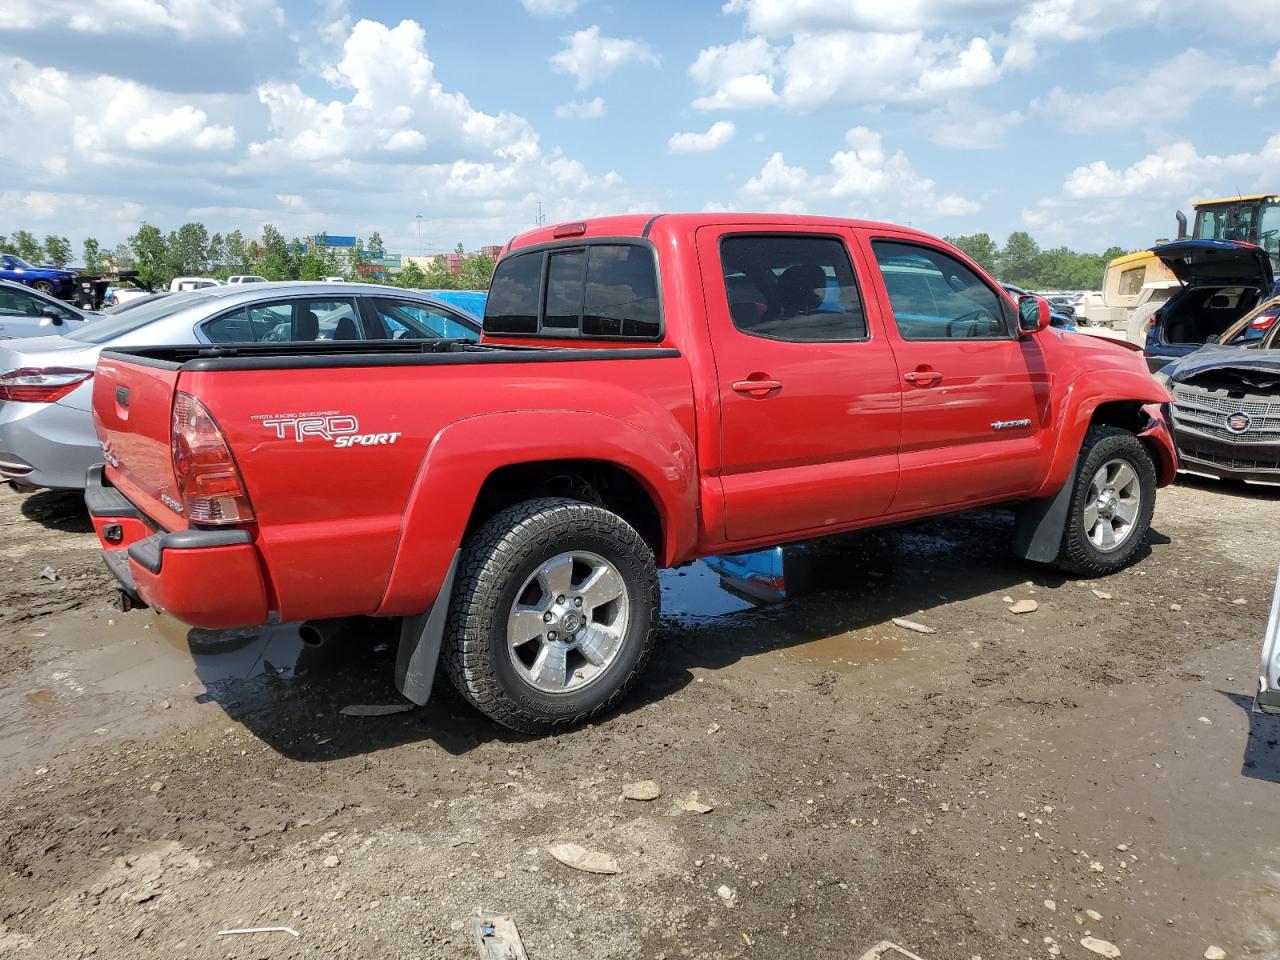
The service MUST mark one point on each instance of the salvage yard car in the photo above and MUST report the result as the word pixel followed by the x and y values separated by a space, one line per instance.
pixel 46 431
pixel 1226 402
pixel 1221 281
pixel 25 312
pixel 54 281
pixel 648 390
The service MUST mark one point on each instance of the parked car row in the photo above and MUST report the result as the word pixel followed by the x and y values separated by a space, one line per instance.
pixel 46 430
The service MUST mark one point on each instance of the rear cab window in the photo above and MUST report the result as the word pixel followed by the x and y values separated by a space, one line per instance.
pixel 606 290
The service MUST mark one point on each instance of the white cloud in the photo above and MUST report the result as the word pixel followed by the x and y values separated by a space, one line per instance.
pixel 188 18
pixel 719 133
pixel 108 118
pixel 863 181
pixel 591 58
pixel 963 126
pixel 1181 80
pixel 737 75
pixel 550 8
pixel 781 17
pixel 397 106
pixel 1098 198
pixel 592 109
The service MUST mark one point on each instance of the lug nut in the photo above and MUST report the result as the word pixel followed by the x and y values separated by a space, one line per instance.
pixel 560 599
pixel 577 601
pixel 546 617
pixel 551 634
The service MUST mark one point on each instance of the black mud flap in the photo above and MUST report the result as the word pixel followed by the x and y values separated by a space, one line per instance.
pixel 1039 524
pixel 420 640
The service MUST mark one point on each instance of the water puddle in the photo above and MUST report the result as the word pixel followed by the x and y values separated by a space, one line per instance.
pixel 845 652
pixel 695 594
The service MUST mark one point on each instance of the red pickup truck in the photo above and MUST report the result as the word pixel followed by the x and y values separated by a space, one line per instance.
pixel 649 390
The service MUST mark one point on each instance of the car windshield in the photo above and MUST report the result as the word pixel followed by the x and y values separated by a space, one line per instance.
pixel 110 327
pixel 17 261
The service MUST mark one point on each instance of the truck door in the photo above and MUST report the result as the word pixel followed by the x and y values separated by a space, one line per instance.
pixel 974 394
pixel 808 388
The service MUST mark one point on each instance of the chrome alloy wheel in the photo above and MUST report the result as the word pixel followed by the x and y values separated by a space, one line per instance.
pixel 1112 505
pixel 568 622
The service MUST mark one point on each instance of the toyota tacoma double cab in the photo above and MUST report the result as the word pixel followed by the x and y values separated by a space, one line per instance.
pixel 648 390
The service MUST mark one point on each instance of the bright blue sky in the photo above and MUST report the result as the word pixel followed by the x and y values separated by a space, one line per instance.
pixel 1087 122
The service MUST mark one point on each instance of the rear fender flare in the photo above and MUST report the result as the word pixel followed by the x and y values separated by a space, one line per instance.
pixel 464 454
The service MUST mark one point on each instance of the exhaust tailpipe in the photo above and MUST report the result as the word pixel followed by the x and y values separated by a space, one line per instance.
pixel 316 633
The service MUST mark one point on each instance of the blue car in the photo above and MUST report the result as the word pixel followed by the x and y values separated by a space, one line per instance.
pixel 50 280
pixel 1222 280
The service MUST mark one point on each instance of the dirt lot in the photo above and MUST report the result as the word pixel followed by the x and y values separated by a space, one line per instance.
pixel 972 792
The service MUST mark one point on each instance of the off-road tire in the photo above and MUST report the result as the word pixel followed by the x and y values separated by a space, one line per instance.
pixel 1077 554
pixel 496 560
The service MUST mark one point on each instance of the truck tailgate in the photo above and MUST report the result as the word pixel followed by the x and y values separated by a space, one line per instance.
pixel 132 409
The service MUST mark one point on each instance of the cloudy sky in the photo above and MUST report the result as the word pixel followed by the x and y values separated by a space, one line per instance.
pixel 1087 122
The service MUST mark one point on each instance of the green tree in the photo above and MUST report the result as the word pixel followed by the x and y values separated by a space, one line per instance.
pixel 4 243
pixel 1019 260
pixel 236 260
pixel 980 247
pixel 275 256
pixel 439 277
pixel 122 258
pixel 151 255
pixel 217 253
pixel 57 251
pixel 476 273
pixel 411 277
pixel 190 248
pixel 92 255
pixel 27 246
pixel 376 247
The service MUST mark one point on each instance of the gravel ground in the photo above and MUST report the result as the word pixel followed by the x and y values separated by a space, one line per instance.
pixel 1005 787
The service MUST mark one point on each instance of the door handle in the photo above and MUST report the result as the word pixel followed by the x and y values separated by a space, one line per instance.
pixel 922 378
pixel 757 388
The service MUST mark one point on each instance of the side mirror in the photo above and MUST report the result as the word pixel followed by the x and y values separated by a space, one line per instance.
pixel 1033 314
pixel 53 316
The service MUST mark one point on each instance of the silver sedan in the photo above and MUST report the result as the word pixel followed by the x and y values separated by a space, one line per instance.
pixel 25 312
pixel 46 383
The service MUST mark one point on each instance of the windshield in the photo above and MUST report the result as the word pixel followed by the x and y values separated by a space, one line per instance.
pixel 1269 231
pixel 17 261
pixel 110 327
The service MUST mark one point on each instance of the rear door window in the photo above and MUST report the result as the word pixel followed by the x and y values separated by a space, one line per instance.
pixel 284 321
pixel 798 288
pixel 597 290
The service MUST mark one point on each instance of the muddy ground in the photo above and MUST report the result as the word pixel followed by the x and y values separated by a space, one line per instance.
pixel 972 792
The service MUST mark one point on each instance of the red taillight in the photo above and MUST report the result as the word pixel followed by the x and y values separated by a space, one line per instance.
pixel 209 483
pixel 40 384
pixel 1264 321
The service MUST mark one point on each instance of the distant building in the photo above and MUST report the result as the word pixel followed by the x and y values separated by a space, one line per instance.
pixel 493 251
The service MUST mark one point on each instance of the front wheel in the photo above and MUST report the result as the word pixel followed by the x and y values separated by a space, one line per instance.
pixel 552 614
pixel 1112 501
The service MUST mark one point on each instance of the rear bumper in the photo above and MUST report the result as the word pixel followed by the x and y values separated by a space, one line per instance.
pixel 206 578
pixel 46 444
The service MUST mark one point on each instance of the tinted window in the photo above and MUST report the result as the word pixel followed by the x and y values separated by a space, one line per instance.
pixel 936 297
pixel 797 288
pixel 622 292
pixel 19 303
pixel 410 320
pixel 287 321
pixel 512 306
pixel 616 295
pixel 564 289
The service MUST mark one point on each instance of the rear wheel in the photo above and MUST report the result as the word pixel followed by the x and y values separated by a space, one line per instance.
pixel 552 614
pixel 44 286
pixel 1111 503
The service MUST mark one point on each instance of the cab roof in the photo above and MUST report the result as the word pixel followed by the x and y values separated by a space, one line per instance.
pixel 1248 198
pixel 645 224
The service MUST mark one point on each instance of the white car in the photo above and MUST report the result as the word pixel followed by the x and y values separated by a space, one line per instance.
pixel 178 284
pixel 246 278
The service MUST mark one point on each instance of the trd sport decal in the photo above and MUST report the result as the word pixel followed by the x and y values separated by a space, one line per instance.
pixel 339 429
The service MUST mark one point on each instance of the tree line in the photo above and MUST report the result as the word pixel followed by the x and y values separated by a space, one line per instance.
pixel 1021 261
pixel 192 250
